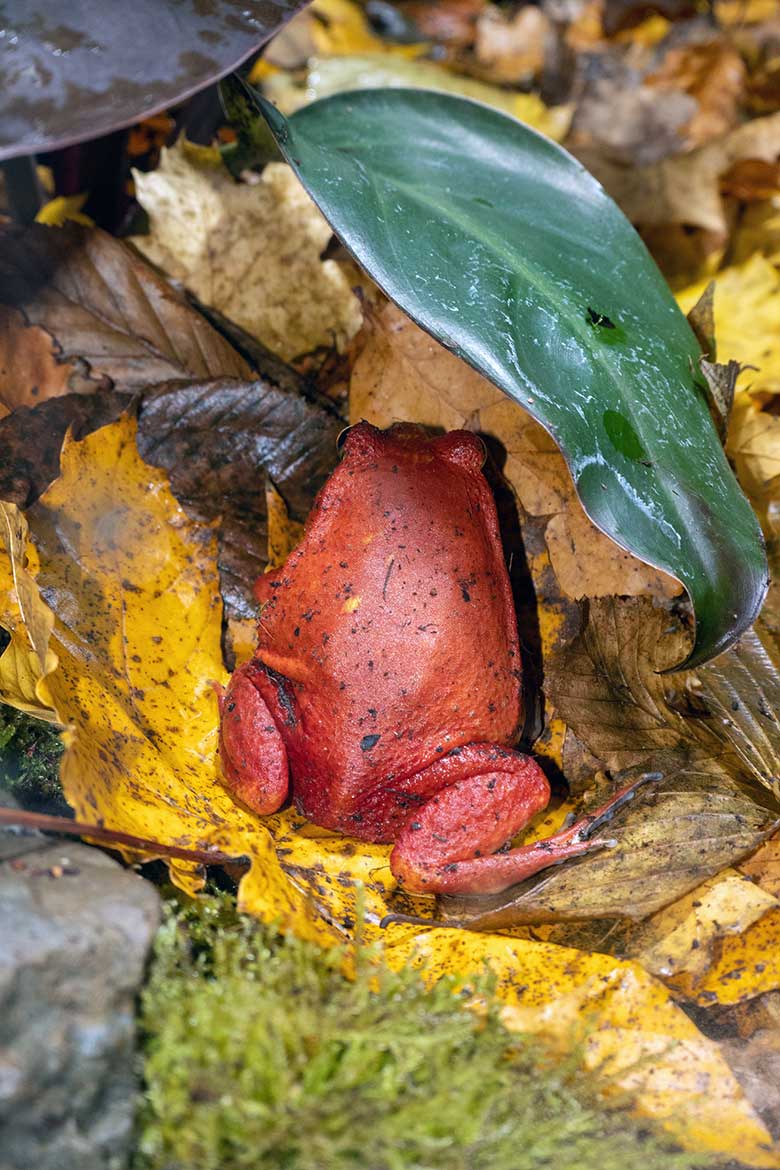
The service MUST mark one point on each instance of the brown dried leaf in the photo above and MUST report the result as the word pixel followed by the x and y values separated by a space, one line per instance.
pixel 607 686
pixel 686 189
pixel 29 369
pixel 714 74
pixel 764 866
pixel 113 322
pixel 751 180
pixel 452 24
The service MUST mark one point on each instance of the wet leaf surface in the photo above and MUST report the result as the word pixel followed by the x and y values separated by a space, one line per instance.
pixel 78 72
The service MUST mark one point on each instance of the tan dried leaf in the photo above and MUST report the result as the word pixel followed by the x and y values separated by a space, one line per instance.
pixel 250 250
pixel 29 368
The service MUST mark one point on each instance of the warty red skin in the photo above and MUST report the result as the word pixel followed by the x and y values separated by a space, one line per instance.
pixel 385 689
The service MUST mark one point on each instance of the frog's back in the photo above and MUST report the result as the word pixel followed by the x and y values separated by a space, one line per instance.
pixel 391 627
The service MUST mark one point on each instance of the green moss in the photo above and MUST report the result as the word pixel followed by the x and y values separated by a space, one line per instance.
pixel 258 1053
pixel 30 751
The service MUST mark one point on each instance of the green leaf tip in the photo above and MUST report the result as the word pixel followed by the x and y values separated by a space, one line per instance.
pixel 506 250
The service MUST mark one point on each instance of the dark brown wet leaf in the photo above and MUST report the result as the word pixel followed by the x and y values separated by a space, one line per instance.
pixel 75 71
pixel 218 440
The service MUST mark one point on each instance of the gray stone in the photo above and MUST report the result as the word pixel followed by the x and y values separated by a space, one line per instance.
pixel 75 932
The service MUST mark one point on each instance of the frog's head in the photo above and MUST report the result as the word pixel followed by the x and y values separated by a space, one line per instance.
pixel 408 442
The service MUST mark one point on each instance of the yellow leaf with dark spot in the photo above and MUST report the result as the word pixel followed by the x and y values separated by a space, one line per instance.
pixel 748 965
pixel 133 587
pixel 284 533
pixel 630 1032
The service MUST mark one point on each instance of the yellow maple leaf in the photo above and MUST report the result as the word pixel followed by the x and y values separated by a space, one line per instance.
pixel 136 613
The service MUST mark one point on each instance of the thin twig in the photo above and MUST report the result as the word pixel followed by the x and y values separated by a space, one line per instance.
pixel 29 820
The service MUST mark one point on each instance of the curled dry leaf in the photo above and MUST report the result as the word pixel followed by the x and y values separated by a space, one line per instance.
pixel 250 250
pixel 29 657
pixel 108 318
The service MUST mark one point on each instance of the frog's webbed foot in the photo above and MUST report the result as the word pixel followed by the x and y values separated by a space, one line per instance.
pixel 251 750
pixel 447 846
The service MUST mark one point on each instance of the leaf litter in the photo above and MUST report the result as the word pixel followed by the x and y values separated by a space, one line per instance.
pixel 600 952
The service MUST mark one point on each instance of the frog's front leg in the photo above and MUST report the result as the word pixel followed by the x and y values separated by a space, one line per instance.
pixel 251 749
pixel 487 795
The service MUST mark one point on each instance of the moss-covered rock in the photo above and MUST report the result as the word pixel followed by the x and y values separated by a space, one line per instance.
pixel 258 1053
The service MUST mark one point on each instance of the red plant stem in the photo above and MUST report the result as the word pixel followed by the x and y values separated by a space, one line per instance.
pixel 29 820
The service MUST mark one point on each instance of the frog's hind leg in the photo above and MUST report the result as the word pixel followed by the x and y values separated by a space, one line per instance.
pixel 487 795
pixel 251 750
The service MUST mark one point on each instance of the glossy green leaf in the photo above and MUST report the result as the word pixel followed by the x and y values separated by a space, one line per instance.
pixel 504 248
